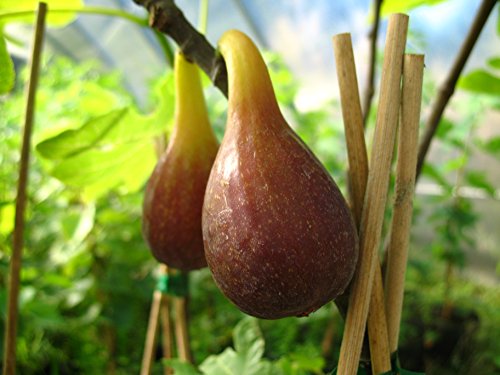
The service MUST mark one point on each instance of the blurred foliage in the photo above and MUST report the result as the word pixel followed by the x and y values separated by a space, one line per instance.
pixel 22 11
pixel 88 276
pixel 6 68
pixel 247 357
pixel 402 6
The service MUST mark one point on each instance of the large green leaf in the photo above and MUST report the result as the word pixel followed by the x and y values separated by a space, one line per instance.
pixel 112 150
pixel 24 11
pixel 99 170
pixel 74 141
pixel 7 74
pixel 247 359
pixel 401 6
pixel 480 81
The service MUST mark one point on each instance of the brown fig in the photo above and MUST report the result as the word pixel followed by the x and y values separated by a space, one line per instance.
pixel 174 194
pixel 279 237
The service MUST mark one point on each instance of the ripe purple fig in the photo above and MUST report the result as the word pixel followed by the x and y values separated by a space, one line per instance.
pixel 279 237
pixel 174 194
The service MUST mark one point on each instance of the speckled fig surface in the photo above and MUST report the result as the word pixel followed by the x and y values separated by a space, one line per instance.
pixel 174 194
pixel 279 238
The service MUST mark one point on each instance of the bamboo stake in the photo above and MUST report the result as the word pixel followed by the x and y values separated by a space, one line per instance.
pixel 405 185
pixel 353 128
pixel 151 334
pixel 358 174
pixel 181 329
pixel 378 337
pixel 9 358
pixel 159 309
pixel 376 195
pixel 166 327
pixel 353 122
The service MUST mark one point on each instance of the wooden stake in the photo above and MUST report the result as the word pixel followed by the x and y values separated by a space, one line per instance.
pixel 358 175
pixel 181 329
pixel 353 122
pixel 378 337
pixel 376 195
pixel 166 327
pixel 9 358
pixel 159 309
pixel 151 334
pixel 403 202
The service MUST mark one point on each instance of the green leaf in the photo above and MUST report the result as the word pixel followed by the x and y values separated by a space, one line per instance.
pixel 247 359
pixel 102 169
pixel 248 339
pixel 494 62
pixel 480 81
pixel 112 150
pixel 180 367
pixel 479 180
pixel 74 141
pixel 492 146
pixel 401 6
pixel 24 11
pixel 432 172
pixel 7 213
pixel 445 126
pixel 455 163
pixel 7 73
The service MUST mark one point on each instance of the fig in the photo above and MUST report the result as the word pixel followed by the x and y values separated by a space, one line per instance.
pixel 279 237
pixel 174 193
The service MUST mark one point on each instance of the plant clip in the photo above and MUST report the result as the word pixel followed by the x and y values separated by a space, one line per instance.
pixel 175 284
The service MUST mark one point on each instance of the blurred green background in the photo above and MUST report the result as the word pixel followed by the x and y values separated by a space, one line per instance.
pixel 105 93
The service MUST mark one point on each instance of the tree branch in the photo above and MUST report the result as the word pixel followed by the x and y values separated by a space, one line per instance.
pixel 448 87
pixel 370 88
pixel 166 17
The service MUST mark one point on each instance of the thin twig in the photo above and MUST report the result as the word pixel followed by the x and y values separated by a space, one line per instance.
pixel 448 87
pixel 166 17
pixel 370 88
pixel 405 186
pixel 9 361
pixel 376 195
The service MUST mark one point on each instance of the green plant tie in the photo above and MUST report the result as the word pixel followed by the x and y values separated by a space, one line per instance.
pixel 173 284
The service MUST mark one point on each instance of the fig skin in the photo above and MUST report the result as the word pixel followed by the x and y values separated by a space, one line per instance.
pixel 279 237
pixel 174 194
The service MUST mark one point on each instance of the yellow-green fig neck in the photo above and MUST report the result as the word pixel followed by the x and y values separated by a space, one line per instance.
pixel 249 84
pixel 191 121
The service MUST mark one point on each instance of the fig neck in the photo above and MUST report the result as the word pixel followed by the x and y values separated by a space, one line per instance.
pixel 250 90
pixel 191 117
